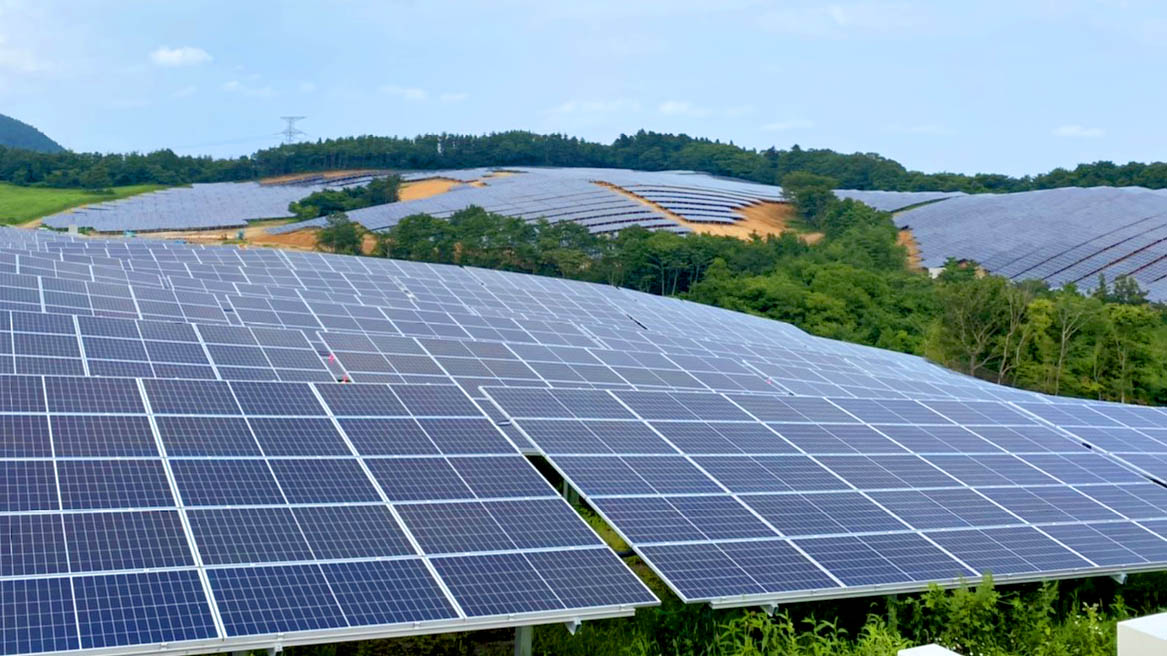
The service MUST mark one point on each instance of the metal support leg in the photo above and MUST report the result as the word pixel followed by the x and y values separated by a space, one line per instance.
pixel 523 636
pixel 570 494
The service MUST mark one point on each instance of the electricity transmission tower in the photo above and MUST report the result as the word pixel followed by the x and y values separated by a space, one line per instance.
pixel 291 132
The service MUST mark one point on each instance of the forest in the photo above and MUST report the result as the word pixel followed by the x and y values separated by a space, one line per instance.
pixel 643 150
pixel 854 285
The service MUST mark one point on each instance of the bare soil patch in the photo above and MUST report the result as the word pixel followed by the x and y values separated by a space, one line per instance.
pixel 908 241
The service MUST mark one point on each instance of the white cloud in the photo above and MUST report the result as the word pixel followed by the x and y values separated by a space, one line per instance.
pixel 682 108
pixel 412 94
pixel 235 86
pixel 842 20
pixel 792 124
pixel 307 87
pixel 1075 131
pixel 453 97
pixel 184 56
pixel 596 106
pixel 184 92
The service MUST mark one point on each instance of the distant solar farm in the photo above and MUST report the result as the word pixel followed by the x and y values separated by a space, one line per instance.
pixel 1068 235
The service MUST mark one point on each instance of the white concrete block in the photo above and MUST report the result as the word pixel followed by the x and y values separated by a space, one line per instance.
pixel 1143 636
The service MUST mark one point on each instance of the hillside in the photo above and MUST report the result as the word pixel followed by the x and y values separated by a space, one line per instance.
pixel 17 134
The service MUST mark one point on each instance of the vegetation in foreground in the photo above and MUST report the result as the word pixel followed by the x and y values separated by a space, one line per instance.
pixel 1070 618
pixel 23 204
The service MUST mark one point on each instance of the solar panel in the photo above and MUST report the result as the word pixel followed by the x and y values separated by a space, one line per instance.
pixel 295 528
pixel 847 506
pixel 745 461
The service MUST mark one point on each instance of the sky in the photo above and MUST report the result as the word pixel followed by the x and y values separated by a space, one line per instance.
pixel 1011 87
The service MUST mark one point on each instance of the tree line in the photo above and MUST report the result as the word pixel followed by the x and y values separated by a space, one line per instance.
pixel 649 151
pixel 854 284
pixel 378 191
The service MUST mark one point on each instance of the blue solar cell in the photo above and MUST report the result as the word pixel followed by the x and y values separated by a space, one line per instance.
pixel 287 399
pixel 31 544
pixel 1140 501
pixel 247 535
pixel 93 395
pixel 564 436
pixel 466 436
pixel 36 615
pixel 324 480
pixel 523 402
pixel 103 436
pixel 93 484
pixel 991 470
pixel 415 479
pixel 21 394
pixel 500 584
pixel 916 557
pixel 949 508
pixel 1008 550
pixel 582 578
pixel 206 436
pixel 671 475
pixel 361 400
pixel 263 600
pixel 777 566
pixel 701 571
pixel 819 514
pixel 449 528
pixel 126 540
pixel 301 436
pixel 387 592
pixel 629 437
pixel 225 482
pixel 352 532
pixel 721 517
pixel 27 485
pixel 541 523
pixel 436 401
pixel 25 436
pixel 1114 543
pixel 501 477
pixel 134 609
pixel 190 397
pixel 853 561
pixel 1049 504
pixel 743 474
pixel 389 436
pixel 648 519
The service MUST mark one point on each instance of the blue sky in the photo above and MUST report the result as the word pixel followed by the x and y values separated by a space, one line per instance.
pixel 1014 87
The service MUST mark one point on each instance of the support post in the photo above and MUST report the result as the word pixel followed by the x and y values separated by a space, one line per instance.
pixel 569 493
pixel 523 635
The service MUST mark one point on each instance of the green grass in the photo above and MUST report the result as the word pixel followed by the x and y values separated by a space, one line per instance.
pixel 23 204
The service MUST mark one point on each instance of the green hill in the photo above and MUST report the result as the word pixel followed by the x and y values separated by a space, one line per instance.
pixel 15 134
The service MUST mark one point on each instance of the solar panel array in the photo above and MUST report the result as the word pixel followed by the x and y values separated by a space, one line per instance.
pixel 198 206
pixel 1068 235
pixel 589 196
pixel 184 469
pixel 740 499
pixel 892 201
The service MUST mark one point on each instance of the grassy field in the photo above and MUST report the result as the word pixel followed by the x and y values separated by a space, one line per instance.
pixel 23 204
